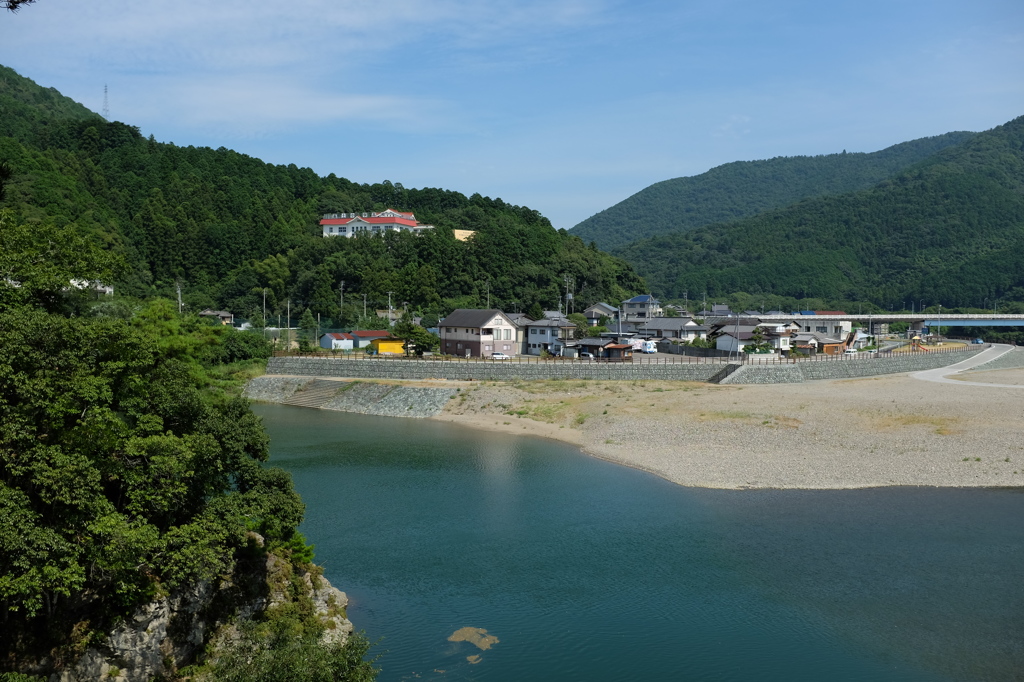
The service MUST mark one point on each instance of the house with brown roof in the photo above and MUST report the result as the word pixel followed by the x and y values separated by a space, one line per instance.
pixel 337 341
pixel 364 337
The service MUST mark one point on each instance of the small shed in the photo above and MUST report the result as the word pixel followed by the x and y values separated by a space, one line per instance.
pixel 618 352
pixel 337 341
pixel 388 346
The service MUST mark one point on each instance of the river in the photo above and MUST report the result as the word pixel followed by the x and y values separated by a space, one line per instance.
pixel 552 565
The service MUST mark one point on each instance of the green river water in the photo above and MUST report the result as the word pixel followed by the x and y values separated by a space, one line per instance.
pixel 571 568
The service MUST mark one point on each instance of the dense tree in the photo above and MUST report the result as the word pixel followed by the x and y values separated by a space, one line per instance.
pixel 119 476
pixel 746 188
pixel 228 228
pixel 949 231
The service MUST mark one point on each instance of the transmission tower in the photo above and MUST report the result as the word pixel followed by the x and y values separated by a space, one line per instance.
pixel 106 104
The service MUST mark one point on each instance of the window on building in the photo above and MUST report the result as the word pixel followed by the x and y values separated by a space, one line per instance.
pixel 487 348
pixel 508 334
pixel 458 346
pixel 533 330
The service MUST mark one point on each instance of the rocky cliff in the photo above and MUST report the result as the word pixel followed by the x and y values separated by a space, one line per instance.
pixel 194 624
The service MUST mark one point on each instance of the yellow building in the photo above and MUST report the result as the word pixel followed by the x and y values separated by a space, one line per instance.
pixel 388 346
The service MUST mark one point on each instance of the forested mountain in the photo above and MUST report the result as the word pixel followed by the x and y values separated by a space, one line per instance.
pixel 226 226
pixel 949 230
pixel 745 188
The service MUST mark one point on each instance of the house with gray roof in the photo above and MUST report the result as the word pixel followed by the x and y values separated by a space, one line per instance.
pixel 550 334
pixel 596 312
pixel 478 333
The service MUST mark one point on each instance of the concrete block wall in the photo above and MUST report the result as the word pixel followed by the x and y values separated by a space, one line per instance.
pixel 512 371
pixel 486 371
pixel 894 364
pixel 1014 359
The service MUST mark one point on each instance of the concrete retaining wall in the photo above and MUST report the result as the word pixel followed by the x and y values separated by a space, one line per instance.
pixel 1014 359
pixel 714 373
pixel 894 364
pixel 486 371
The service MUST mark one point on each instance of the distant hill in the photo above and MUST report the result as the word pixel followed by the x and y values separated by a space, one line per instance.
pixel 949 230
pixel 26 108
pixel 229 227
pixel 745 188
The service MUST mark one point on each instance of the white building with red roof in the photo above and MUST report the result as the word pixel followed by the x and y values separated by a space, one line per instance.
pixel 352 224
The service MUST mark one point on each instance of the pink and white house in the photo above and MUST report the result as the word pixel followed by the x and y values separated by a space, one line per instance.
pixel 352 224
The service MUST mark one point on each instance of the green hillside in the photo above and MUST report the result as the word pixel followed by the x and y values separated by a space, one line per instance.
pixel 225 226
pixel 949 230
pixel 745 188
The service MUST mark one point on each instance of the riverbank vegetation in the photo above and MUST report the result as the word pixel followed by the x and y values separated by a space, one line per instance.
pixel 125 474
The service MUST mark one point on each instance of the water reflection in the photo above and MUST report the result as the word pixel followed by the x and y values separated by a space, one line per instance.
pixel 593 571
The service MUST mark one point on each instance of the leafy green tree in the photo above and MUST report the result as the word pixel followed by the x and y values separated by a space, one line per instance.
pixel 307 326
pixel 416 337
pixel 582 325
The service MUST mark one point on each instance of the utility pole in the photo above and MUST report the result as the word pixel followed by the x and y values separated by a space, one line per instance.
pixel 391 321
pixel 178 284
pixel 264 312
pixel 288 342
pixel 488 294
pixel 364 306
pixel 341 303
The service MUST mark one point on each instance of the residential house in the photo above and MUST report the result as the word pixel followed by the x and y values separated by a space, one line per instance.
pixel 363 337
pixel 351 224
pixel 672 328
pixel 817 342
pixel 641 307
pixel 519 320
pixel 835 328
pixel 478 333
pixel 222 316
pixel 598 311
pixel 394 315
pixel 337 341
pixel 737 338
pixel 550 334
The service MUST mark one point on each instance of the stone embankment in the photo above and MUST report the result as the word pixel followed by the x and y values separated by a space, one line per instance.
pixel 386 400
pixel 1011 360
pixel 455 370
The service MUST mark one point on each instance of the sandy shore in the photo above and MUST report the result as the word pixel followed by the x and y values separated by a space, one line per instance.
pixel 878 431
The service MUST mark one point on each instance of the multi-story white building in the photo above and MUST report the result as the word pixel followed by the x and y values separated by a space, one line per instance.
pixel 352 224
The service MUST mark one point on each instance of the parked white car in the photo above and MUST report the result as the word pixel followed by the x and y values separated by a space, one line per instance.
pixel 499 356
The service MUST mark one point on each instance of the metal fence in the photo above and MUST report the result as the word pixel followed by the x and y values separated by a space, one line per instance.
pixel 640 359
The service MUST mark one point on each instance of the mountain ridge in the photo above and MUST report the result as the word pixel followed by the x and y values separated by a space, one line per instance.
pixel 741 189
pixel 948 229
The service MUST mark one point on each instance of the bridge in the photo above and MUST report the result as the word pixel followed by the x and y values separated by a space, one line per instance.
pixel 915 321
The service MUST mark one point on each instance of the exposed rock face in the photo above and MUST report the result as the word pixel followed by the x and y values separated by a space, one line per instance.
pixel 169 632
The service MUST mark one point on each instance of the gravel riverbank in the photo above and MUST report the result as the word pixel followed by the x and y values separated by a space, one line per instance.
pixel 877 431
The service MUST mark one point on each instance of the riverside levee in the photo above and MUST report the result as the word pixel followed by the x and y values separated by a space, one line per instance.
pixel 461 370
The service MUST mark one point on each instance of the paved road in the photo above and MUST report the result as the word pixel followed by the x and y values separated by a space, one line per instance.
pixel 941 374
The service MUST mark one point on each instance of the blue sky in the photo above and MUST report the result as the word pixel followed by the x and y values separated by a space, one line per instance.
pixel 565 106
